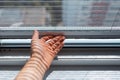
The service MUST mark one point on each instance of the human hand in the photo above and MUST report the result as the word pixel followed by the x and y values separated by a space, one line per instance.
pixel 47 47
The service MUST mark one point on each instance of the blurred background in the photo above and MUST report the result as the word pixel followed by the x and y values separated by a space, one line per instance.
pixel 59 13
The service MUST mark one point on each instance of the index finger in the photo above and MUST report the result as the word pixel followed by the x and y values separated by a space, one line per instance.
pixel 35 35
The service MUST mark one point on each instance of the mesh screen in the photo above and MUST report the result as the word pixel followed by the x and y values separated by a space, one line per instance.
pixel 59 13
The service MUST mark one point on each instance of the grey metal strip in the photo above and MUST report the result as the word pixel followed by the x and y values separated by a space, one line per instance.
pixel 69 32
pixel 68 43
pixel 88 28
pixel 66 60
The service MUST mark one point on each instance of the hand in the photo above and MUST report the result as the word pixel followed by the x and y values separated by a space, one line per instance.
pixel 43 52
pixel 47 47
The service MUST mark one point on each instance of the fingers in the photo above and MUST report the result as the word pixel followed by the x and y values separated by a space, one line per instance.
pixel 54 46
pixel 61 39
pixel 35 35
pixel 56 40
pixel 52 41
pixel 46 38
pixel 59 48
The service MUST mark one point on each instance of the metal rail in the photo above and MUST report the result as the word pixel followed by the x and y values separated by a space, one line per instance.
pixel 66 60
pixel 69 32
pixel 68 43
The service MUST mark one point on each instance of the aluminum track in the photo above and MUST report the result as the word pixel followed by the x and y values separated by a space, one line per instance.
pixel 68 56
pixel 68 43
pixel 69 32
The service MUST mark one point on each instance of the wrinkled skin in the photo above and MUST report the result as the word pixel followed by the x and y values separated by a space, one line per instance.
pixel 43 52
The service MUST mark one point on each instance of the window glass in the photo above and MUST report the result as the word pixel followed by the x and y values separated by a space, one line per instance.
pixel 59 13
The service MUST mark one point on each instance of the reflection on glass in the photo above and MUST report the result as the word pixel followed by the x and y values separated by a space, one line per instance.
pixel 59 13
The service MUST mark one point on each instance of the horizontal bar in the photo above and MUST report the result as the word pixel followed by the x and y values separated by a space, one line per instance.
pixel 59 57
pixel 69 32
pixel 66 60
pixel 61 28
pixel 68 43
pixel 87 60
